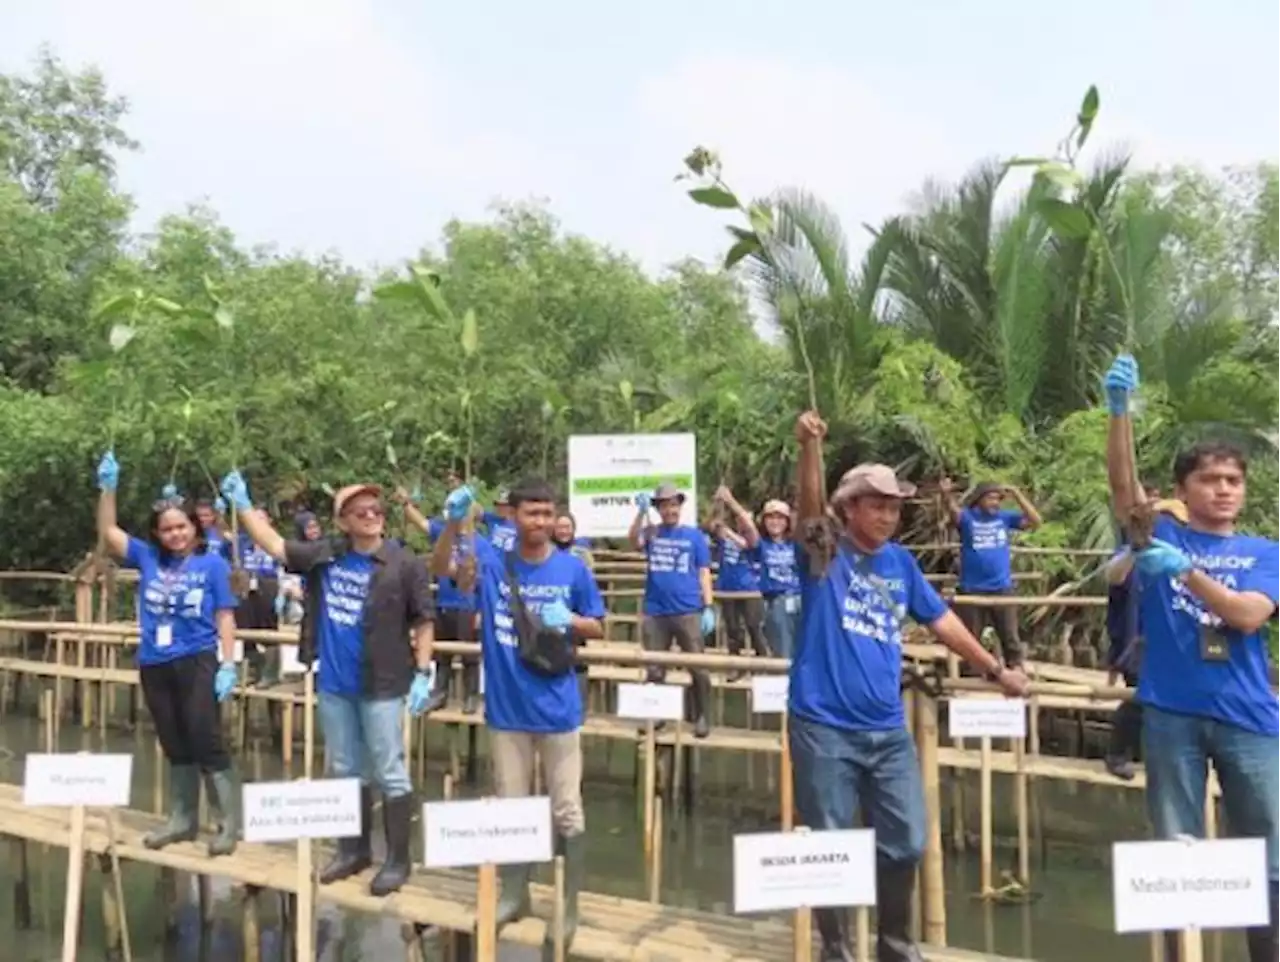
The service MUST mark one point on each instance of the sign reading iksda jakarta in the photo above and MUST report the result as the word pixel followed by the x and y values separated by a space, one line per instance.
pixel 607 471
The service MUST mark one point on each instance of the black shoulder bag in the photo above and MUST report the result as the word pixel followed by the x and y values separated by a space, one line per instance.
pixel 544 652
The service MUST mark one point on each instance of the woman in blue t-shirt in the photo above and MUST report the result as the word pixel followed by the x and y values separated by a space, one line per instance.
pixel 779 578
pixel 738 576
pixel 186 612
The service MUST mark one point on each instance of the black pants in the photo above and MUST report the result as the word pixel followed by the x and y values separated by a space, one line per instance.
pixel 257 610
pixel 453 624
pixel 744 619
pixel 1003 618
pixel 180 697
pixel 1126 724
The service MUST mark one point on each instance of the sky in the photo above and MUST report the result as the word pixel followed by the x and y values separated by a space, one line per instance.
pixel 361 127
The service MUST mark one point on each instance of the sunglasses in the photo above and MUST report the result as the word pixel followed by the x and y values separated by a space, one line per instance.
pixel 372 511
pixel 164 504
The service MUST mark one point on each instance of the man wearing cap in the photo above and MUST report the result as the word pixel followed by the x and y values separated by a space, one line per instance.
pixel 365 598
pixel 678 599
pixel 985 558
pixel 850 748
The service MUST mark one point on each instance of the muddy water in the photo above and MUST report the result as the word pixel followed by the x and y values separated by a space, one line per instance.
pixel 1071 919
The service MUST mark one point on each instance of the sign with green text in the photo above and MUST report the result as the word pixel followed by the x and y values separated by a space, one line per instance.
pixel 607 471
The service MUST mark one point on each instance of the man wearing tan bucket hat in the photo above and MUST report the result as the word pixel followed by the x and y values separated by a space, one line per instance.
pixel 849 744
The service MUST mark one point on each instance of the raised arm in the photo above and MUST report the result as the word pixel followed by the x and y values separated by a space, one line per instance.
pixel 637 534
pixel 954 508
pixel 256 523
pixel 457 507
pixel 1030 516
pixel 747 535
pixel 411 512
pixel 1120 383
pixel 810 431
pixel 110 534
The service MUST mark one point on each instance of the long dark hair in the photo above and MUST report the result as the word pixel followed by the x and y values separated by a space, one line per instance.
pixel 188 508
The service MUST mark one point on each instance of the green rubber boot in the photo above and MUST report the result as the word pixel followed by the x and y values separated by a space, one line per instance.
pixel 575 870
pixel 513 896
pixel 224 803
pixel 184 809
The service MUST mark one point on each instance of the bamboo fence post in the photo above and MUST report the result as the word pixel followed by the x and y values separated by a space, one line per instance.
pixel 75 887
pixel 959 839
pixel 786 780
pixel 933 893
pixel 1020 807
pixel 557 917
pixel 802 928
pixel 306 920
pixel 486 913
pixel 251 927
pixel 650 788
pixel 116 888
pixel 984 801
pixel 655 866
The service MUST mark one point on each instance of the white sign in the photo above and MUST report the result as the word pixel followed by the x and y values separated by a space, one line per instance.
pixel 650 702
pixel 607 471
pixel 797 870
pixel 769 694
pixel 987 717
pixel 84 779
pixel 494 831
pixel 283 811
pixel 1190 883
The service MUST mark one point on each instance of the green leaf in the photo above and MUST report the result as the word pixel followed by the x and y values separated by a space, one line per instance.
pixel 1066 220
pixel 1027 162
pixel 548 410
pixel 1089 106
pixel 1064 178
pixel 761 218
pixel 405 291
pixel 464 399
pixel 210 290
pixel 113 306
pixel 626 390
pixel 744 248
pixel 224 318
pixel 391 456
pixel 389 405
pixel 120 336
pixel 714 197
pixel 470 333
pixel 172 308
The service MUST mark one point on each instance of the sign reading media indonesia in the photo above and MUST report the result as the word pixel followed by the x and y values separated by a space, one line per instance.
pixel 98 781
pixel 285 811
pixel 650 702
pixel 607 471
pixel 487 831
pixel 987 717
pixel 1191 883
pixel 774 871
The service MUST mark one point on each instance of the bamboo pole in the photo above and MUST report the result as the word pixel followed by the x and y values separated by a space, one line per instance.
pixel 306 920
pixel 655 867
pixel 1020 787
pixel 802 928
pixel 933 893
pixel 984 802
pixel 557 918
pixel 650 789
pixel 252 926
pixel 75 887
pixel 786 778
pixel 117 886
pixel 862 930
pixel 487 913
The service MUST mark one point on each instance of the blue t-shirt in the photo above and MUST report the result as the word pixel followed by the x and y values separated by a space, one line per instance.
pixel 448 596
pixel 984 550
pixel 739 567
pixel 502 531
pixel 847 670
pixel 216 543
pixel 672 584
pixel 177 600
pixel 254 560
pixel 515 698
pixel 779 571
pixel 1174 676
pixel 344 586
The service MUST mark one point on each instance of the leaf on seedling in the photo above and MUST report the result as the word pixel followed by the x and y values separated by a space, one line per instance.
pixel 187 410
pixel 120 336
pixel 389 405
pixel 1027 161
pixel 1089 106
pixel 626 390
pixel 210 290
pixel 172 308
pixel 699 159
pixel 1067 220
pixel 464 399
pixel 744 248
pixel 327 488
pixel 714 197
pixel 224 318
pixel 761 218
pixel 399 291
pixel 548 410
pixel 391 456
pixel 428 282
pixel 470 333
pixel 113 306
pixel 1064 178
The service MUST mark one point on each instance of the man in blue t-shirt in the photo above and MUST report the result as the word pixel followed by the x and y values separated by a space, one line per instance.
pixel 985 558
pixel 1207 595
pixel 679 606
pixel 531 596
pixel 850 748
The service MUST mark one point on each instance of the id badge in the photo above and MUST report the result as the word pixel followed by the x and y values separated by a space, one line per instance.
pixel 253 582
pixel 164 635
pixel 791 604
pixel 1213 645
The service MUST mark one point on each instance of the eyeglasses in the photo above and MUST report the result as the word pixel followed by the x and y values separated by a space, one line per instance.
pixel 164 504
pixel 372 511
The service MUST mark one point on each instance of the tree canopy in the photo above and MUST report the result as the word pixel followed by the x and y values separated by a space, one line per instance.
pixel 969 339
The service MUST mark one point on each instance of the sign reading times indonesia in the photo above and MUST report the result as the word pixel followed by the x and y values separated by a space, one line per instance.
pixel 607 471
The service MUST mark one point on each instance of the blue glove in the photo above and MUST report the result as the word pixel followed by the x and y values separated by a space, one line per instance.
pixel 420 692
pixel 458 503
pixel 236 491
pixel 220 504
pixel 279 606
pixel 224 681
pixel 1121 381
pixel 1162 559
pixel 709 620
pixel 556 616
pixel 643 501
pixel 108 472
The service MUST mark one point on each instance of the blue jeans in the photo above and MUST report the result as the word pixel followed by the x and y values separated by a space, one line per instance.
pixel 1178 749
pixel 781 626
pixel 364 737
pixel 837 772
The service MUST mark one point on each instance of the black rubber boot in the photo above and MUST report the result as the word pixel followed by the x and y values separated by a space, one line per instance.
pixel 833 929
pixel 223 789
pixel 354 854
pixel 513 893
pixel 184 809
pixel 700 691
pixel 470 687
pixel 575 869
pixel 1262 940
pixel 397 823
pixel 895 883
pixel 440 693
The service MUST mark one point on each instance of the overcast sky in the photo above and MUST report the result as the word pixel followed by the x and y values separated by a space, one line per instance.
pixel 362 126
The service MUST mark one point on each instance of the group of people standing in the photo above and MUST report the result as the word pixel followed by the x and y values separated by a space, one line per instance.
pixel 823 584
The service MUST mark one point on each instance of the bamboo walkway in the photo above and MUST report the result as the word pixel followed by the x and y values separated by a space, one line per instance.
pixel 611 928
